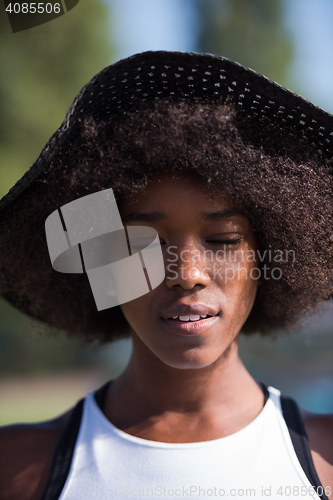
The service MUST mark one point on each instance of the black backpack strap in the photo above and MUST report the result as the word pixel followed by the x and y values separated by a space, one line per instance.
pixel 101 393
pixel 62 460
pixel 300 442
pixel 63 456
pixel 266 392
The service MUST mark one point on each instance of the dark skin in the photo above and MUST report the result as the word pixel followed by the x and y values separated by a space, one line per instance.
pixel 179 388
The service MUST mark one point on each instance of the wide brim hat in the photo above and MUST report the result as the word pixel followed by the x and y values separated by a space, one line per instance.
pixel 129 84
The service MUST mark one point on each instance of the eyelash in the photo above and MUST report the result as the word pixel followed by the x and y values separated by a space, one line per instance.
pixel 225 242
pixel 217 242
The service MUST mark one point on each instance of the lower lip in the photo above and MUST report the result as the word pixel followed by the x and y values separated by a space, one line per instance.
pixel 190 327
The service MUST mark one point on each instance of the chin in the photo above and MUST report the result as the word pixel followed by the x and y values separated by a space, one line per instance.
pixel 189 361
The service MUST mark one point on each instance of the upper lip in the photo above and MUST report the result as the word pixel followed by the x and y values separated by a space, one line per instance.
pixel 188 310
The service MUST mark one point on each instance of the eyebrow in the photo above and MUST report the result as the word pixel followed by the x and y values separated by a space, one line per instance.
pixel 222 214
pixel 159 216
pixel 145 217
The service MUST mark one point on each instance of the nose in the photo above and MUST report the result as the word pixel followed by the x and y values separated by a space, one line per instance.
pixel 186 269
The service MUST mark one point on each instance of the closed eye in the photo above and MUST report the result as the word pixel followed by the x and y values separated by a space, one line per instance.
pixel 225 242
pixel 217 242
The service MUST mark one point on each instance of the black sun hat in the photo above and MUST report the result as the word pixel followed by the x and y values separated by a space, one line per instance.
pixel 179 76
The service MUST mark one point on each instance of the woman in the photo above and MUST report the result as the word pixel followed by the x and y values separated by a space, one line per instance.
pixel 233 174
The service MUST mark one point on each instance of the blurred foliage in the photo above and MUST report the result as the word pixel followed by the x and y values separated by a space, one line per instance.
pixel 26 350
pixel 250 32
pixel 42 69
pixel 23 350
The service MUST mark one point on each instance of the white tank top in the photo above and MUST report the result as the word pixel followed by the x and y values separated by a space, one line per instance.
pixel 256 462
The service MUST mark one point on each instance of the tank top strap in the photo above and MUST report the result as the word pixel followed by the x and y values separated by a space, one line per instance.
pixel 300 441
pixel 65 449
pixel 101 393
pixel 266 391
pixel 63 456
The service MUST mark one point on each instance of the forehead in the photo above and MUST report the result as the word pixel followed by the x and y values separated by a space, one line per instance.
pixel 178 197
pixel 175 189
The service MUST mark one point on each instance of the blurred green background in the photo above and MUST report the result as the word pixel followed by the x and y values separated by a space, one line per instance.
pixel 43 68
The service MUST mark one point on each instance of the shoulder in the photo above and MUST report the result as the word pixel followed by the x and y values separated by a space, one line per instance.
pixel 26 455
pixel 319 428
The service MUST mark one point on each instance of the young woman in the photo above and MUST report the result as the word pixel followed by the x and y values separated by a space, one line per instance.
pixel 233 172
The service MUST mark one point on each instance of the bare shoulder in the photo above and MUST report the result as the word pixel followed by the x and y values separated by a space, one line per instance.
pixel 319 428
pixel 26 455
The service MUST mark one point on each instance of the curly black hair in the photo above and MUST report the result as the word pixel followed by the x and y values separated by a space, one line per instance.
pixel 285 191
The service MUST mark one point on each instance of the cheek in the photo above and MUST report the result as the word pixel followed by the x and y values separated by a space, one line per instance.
pixel 238 280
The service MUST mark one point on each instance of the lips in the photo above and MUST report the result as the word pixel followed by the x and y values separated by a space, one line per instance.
pixel 189 328
pixel 192 317
pixel 189 312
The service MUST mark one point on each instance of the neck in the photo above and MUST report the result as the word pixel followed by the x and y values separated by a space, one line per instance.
pixel 149 387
